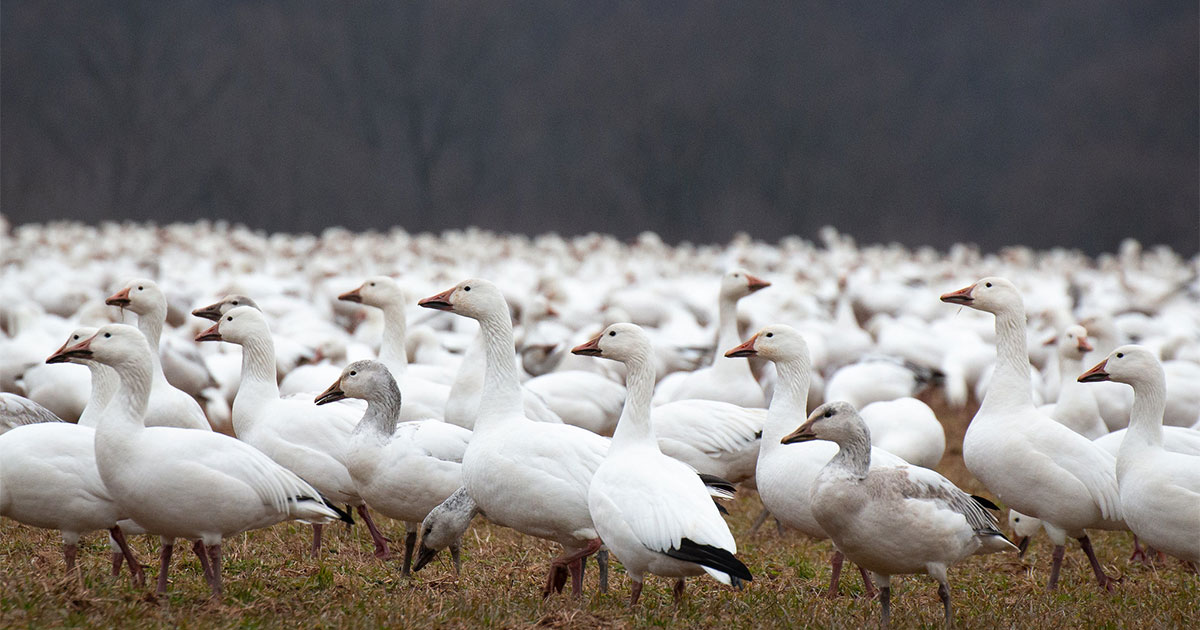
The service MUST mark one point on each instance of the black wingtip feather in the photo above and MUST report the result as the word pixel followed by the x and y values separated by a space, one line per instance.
pixel 711 557
pixel 985 503
pixel 713 481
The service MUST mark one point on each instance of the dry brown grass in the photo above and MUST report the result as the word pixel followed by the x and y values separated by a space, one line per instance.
pixel 271 582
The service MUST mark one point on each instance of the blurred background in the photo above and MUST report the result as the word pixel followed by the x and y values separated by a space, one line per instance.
pixel 1070 123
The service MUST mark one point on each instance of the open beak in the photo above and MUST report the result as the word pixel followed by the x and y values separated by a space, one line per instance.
pixel 961 296
pixel 440 301
pixel 210 312
pixel 803 434
pixel 120 298
pixel 744 350
pixel 333 393
pixel 590 349
pixel 1096 374
pixel 756 284
pixel 1084 346
pixel 352 296
pixel 81 350
pixel 211 334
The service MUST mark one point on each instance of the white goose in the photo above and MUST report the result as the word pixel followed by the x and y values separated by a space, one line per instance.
pixel 1076 405
pixel 178 483
pixel 425 388
pixel 1032 463
pixel 405 470
pixel 893 521
pixel 1160 489
pixel 530 476
pixel 308 440
pixel 169 405
pixel 784 475
pixel 729 381
pixel 651 510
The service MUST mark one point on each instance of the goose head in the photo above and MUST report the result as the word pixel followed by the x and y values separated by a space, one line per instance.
pixel 112 344
pixel 1073 343
pixel 1127 364
pixel 992 294
pixel 215 310
pixel 836 421
pixel 77 336
pixel 777 342
pixel 140 296
pixel 362 379
pixel 619 342
pixel 474 298
pixel 738 283
pixel 377 291
pixel 238 325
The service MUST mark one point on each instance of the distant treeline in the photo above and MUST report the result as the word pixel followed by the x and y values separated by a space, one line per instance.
pixel 1050 123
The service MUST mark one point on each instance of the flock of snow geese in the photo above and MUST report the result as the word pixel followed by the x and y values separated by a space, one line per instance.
pixel 349 395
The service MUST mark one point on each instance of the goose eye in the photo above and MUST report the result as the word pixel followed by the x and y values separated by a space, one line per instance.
pixel 1120 355
pixel 107 335
pixel 229 318
pixel 989 284
pixel 235 302
pixel 372 284
pixel 612 333
pixel 139 288
pixel 353 373
pixel 466 288
pixel 770 334
pixel 74 336
pixel 828 414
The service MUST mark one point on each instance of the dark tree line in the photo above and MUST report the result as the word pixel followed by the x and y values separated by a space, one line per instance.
pixel 1073 123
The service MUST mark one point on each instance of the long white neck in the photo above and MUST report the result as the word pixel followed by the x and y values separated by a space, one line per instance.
pixel 392 351
pixel 151 324
pixel 1010 387
pixel 789 404
pixel 127 410
pixel 104 385
pixel 634 427
pixel 501 387
pixel 470 369
pixel 1069 368
pixel 258 366
pixel 1149 405
pixel 727 331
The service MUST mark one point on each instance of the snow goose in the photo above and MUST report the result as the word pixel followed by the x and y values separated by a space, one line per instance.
pixel 1030 462
pixel 651 510
pixel 784 475
pixel 444 526
pixel 893 521
pixel 223 486
pixel 1076 406
pixel 729 381
pixel 530 476
pixel 1160 489
pixel 169 406
pixel 307 440
pixel 405 470
pixel 49 479
pixel 430 385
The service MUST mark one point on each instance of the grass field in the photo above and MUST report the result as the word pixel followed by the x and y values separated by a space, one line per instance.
pixel 270 581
